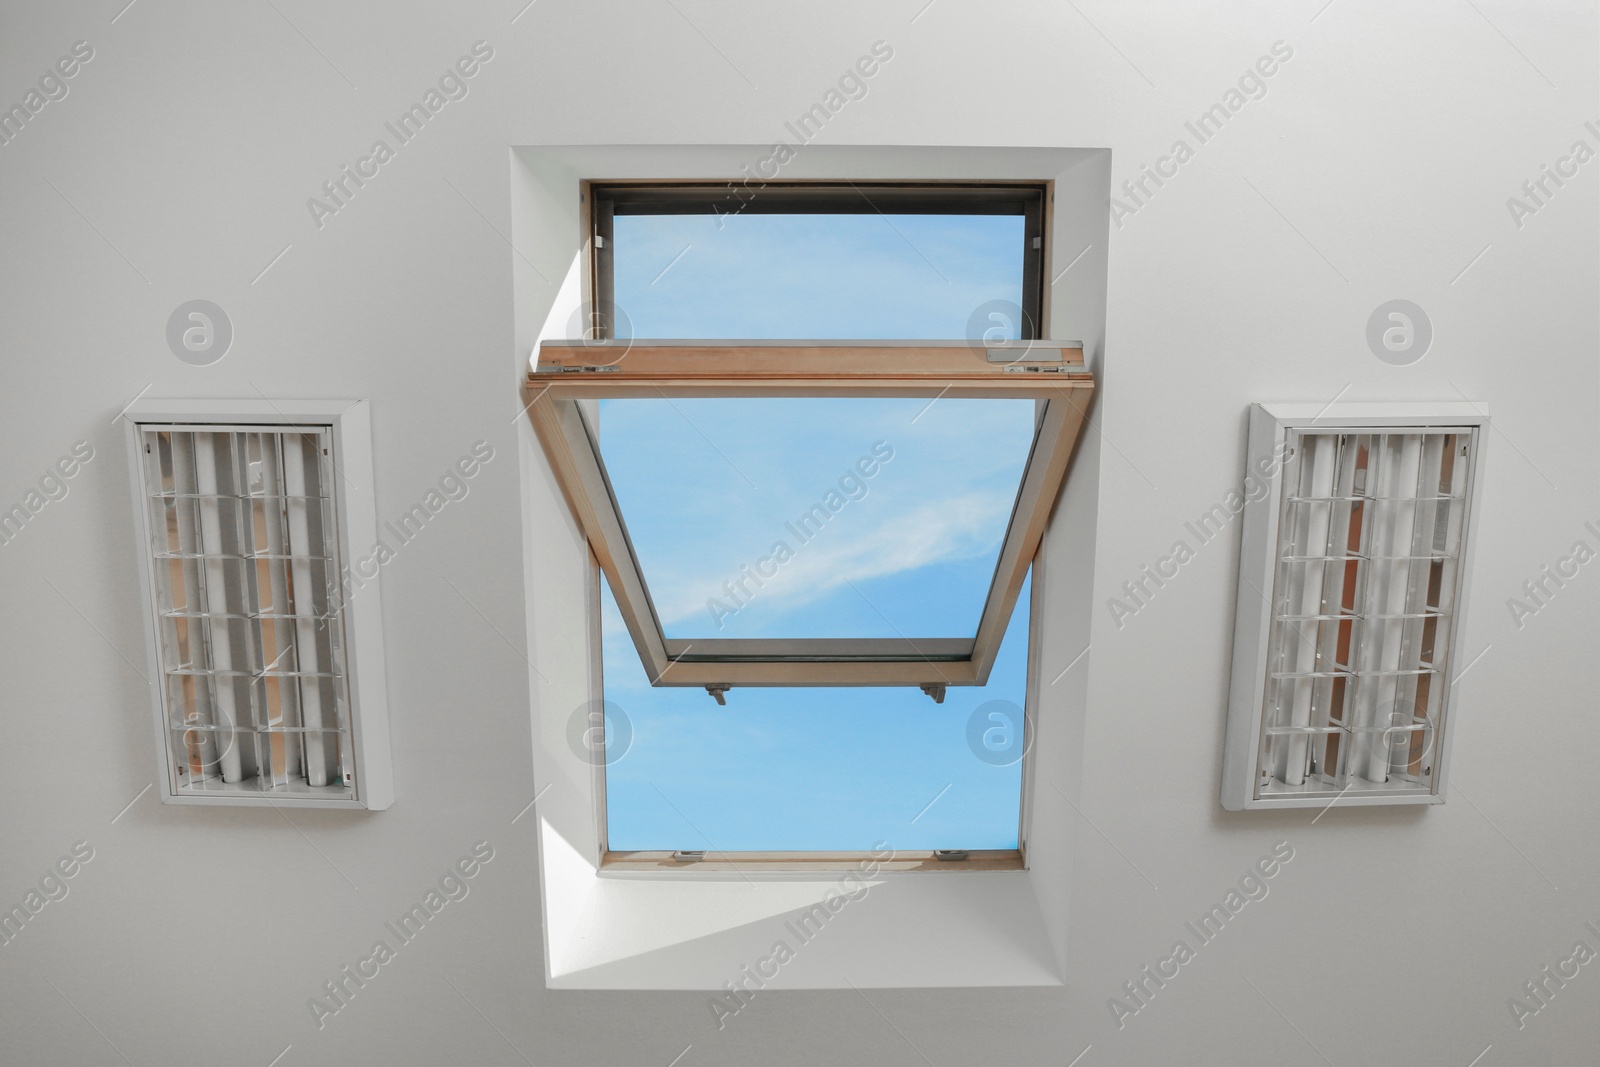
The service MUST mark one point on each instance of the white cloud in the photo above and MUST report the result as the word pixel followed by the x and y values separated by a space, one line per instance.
pixel 951 528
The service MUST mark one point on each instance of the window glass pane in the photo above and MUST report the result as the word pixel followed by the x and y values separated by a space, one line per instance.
pixel 816 517
pixel 861 276
pixel 813 769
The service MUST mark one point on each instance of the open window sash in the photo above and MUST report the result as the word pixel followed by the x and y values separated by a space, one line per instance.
pixel 568 373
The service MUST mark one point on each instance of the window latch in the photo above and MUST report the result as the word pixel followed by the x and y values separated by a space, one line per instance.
pixel 949 855
pixel 719 693
pixel 935 690
pixel 681 856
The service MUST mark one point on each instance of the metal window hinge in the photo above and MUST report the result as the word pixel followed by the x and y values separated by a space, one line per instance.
pixel 682 856
pixel 949 855
pixel 599 242
pixel 719 694
pixel 936 691
pixel 584 370
pixel 1038 242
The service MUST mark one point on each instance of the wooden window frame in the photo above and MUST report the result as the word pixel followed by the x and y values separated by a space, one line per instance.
pixel 601 201
pixel 569 373
pixel 572 372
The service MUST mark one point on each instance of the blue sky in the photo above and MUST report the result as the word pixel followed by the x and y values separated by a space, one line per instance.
pixel 896 277
pixel 807 769
pixel 709 488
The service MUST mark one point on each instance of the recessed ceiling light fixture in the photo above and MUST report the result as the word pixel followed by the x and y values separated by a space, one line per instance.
pixel 267 675
pixel 1352 586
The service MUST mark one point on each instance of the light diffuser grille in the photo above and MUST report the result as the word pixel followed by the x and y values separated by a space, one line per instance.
pixel 1369 559
pixel 245 551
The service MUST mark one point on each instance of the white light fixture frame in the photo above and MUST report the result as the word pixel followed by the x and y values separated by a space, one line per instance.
pixel 348 425
pixel 1268 461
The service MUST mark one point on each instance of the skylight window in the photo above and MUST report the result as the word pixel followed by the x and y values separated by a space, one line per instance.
pixel 813 435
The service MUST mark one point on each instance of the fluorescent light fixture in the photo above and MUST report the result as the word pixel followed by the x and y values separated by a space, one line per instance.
pixel 1352 587
pixel 266 668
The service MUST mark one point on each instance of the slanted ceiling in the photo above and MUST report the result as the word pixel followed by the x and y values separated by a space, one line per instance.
pixel 1377 165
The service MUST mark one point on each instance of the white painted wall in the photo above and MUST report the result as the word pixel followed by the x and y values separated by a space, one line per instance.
pixel 1377 166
